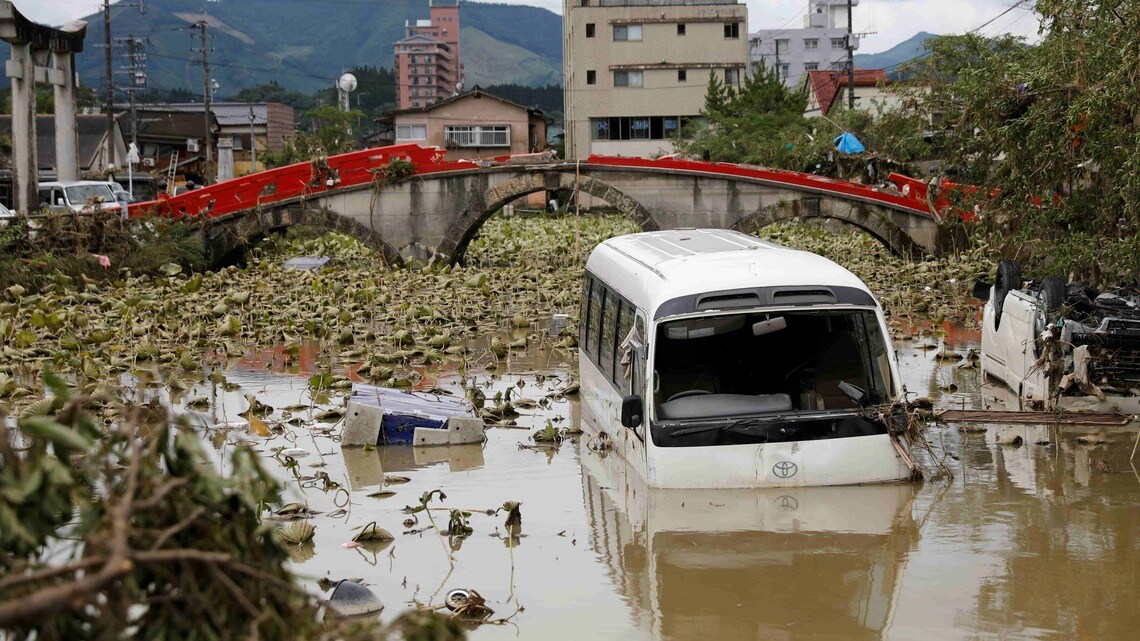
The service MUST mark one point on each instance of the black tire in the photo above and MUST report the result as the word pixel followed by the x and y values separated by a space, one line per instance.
pixel 1052 294
pixel 1008 279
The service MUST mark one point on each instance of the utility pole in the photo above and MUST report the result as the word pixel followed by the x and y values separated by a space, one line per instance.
pixel 134 58
pixel 110 84
pixel 850 60
pixel 209 173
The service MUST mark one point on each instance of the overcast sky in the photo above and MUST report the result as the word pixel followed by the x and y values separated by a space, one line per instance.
pixel 892 20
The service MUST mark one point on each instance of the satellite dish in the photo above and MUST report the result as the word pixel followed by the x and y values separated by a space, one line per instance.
pixel 346 83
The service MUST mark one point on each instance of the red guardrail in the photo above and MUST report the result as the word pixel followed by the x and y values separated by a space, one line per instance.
pixel 359 167
pixel 293 181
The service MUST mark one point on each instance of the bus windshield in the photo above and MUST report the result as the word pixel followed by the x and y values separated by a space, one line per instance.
pixel 769 363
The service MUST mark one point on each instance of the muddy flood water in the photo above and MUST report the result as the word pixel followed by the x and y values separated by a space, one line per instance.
pixel 1035 541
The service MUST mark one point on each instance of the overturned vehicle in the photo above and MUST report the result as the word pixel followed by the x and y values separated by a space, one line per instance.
pixel 1059 346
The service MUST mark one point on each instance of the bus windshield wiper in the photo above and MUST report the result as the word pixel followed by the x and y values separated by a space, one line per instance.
pixel 724 427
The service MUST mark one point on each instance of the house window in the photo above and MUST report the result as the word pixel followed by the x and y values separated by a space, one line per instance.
pixel 628 78
pixel 682 75
pixel 591 77
pixel 639 128
pixel 681 29
pixel 811 66
pixel 732 76
pixel 782 46
pixel 811 44
pixel 589 30
pixel 732 30
pixel 411 132
pixel 624 32
pixel 839 43
pixel 783 70
pixel 600 128
pixel 477 136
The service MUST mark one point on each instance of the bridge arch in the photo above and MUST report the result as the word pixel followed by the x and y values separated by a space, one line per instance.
pixel 467 222
pixel 225 235
pixel 867 218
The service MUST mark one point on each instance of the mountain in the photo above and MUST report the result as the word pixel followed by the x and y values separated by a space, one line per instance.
pixel 304 45
pixel 896 55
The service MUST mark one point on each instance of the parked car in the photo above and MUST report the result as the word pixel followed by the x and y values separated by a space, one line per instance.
pixel 78 196
pixel 1061 346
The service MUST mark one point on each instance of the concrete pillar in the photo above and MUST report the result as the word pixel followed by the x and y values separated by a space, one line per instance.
pixel 225 157
pixel 66 130
pixel 21 69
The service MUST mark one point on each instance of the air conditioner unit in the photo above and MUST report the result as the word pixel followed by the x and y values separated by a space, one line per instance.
pixel 148 162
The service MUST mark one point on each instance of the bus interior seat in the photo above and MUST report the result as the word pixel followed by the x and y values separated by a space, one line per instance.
pixel 838 358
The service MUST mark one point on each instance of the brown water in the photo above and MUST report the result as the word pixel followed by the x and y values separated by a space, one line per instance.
pixel 1036 541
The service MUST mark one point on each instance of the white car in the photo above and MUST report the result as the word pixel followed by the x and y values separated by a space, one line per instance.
pixel 78 196
pixel 1059 346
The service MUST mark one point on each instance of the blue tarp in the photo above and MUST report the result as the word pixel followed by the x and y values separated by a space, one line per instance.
pixel 849 144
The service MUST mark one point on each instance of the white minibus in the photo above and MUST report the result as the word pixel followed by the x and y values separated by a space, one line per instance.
pixel 712 359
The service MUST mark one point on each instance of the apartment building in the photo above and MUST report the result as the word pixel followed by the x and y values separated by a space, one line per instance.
pixel 428 65
pixel 821 44
pixel 636 71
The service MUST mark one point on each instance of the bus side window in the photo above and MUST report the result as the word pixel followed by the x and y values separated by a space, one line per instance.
pixel 584 311
pixel 609 334
pixel 624 324
pixel 595 319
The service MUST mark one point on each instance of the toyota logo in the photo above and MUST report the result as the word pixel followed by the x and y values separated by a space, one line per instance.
pixel 785 469
pixel 786 503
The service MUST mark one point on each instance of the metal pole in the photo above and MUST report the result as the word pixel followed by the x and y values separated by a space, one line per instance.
pixel 111 161
pixel 850 61
pixel 253 141
pixel 208 178
pixel 131 42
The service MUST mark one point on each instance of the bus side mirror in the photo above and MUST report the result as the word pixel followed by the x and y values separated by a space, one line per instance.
pixel 631 411
pixel 982 290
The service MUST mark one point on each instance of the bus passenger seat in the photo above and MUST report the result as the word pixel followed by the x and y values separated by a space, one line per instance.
pixel 837 359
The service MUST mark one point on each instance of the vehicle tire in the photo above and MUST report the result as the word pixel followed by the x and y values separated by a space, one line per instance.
pixel 1008 279
pixel 1052 294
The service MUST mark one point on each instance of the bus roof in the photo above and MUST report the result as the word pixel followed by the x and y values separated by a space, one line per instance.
pixel 650 268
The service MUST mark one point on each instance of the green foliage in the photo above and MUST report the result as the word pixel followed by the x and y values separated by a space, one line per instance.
pixel 70 246
pixel 327 131
pixel 758 124
pixel 1054 129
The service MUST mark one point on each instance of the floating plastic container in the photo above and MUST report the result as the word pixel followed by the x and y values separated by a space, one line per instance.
pixel 387 416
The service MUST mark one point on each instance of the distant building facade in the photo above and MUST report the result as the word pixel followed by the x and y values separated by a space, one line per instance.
pixel 428 65
pixel 820 45
pixel 91 146
pixel 636 71
pixel 827 91
pixel 473 124
pixel 174 133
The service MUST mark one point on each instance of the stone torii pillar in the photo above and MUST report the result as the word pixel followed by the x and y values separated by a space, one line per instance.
pixel 66 127
pixel 31 42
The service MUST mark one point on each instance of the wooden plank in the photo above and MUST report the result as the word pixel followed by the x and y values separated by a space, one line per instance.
pixel 1050 418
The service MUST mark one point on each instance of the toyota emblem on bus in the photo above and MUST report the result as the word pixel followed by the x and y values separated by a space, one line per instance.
pixel 785 469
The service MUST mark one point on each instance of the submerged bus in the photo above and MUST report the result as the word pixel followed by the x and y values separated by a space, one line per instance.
pixel 712 359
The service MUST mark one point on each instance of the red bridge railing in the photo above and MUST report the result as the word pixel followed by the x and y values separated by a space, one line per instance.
pixel 357 168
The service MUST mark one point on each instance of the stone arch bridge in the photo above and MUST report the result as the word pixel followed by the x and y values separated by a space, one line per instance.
pixel 409 203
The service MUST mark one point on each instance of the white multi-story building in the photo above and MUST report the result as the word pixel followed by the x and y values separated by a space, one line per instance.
pixel 637 70
pixel 820 44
